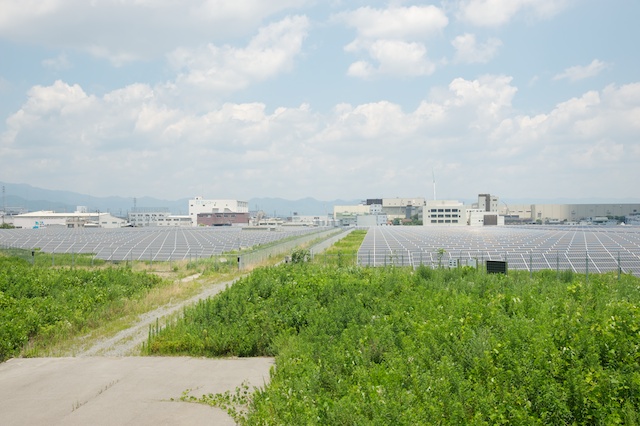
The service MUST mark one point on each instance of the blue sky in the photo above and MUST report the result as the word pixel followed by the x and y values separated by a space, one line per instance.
pixel 328 99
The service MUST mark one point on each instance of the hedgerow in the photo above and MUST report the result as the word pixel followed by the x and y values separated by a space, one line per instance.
pixel 394 346
pixel 37 301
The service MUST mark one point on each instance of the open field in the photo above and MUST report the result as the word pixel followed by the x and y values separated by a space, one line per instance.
pixel 419 345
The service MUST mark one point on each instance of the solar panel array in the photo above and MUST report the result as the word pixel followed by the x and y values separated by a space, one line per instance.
pixel 580 249
pixel 155 244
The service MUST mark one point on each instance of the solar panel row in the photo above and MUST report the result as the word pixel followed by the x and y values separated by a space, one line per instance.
pixel 596 249
pixel 157 244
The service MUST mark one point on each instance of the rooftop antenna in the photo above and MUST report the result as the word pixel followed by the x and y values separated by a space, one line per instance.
pixel 434 185
pixel 135 203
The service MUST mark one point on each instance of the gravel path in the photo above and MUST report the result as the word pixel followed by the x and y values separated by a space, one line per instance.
pixel 127 342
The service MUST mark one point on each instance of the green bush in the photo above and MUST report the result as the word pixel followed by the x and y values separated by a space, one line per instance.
pixel 393 346
pixel 36 301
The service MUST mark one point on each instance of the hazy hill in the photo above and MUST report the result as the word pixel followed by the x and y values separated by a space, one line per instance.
pixel 33 199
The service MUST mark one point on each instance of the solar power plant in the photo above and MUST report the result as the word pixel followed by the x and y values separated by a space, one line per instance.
pixel 580 249
pixel 152 243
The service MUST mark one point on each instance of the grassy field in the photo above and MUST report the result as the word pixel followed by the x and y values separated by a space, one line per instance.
pixel 360 345
pixel 57 310
pixel 357 345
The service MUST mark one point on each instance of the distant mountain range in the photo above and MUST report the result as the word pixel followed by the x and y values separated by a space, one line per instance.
pixel 30 198
pixel 26 197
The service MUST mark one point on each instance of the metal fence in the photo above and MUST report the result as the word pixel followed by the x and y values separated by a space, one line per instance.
pixel 324 245
pixel 246 260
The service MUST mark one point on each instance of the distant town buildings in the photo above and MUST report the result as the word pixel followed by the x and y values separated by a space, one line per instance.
pixel 489 210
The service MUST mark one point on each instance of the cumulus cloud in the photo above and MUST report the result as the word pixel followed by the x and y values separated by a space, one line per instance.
pixel 228 68
pixel 468 50
pixel 487 13
pixel 129 30
pixel 393 39
pixel 134 138
pixel 394 57
pixel 578 72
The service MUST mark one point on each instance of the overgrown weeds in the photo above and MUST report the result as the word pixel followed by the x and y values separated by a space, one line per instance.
pixel 391 345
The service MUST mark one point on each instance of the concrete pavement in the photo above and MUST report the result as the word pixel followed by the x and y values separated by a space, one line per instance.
pixel 121 390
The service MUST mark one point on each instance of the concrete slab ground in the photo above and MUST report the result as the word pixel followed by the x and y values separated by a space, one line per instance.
pixel 122 390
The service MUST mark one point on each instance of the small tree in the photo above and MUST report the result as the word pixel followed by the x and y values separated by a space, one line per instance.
pixel 440 254
pixel 300 256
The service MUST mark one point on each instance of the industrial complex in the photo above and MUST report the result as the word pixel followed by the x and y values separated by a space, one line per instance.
pixel 488 210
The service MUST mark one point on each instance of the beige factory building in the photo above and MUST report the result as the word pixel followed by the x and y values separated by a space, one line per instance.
pixel 575 213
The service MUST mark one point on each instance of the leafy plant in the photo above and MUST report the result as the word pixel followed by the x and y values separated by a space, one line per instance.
pixel 300 256
pixel 358 345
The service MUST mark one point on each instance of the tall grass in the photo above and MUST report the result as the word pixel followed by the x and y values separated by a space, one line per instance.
pixel 55 303
pixel 390 345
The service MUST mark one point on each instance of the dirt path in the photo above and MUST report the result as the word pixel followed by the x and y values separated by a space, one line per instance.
pixel 127 342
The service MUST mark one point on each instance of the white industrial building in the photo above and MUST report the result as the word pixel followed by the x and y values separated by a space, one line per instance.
pixel 402 208
pixel 444 212
pixel 199 205
pixel 302 220
pixel 145 216
pixel 352 215
pixel 385 210
pixel 78 219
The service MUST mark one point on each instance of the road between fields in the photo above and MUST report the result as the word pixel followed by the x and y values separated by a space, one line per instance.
pixel 128 341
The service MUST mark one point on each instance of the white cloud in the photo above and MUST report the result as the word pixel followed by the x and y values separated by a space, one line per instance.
pixel 404 23
pixel 393 39
pixel 488 13
pixel 578 72
pixel 134 139
pixel 128 30
pixel 394 57
pixel 469 51
pixel 227 68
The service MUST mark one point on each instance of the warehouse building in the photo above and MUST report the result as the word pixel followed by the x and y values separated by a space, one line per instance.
pixel 571 213
pixel 199 205
pixel 78 219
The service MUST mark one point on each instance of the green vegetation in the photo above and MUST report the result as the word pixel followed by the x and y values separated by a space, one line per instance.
pixel 55 303
pixel 395 346
pixel 343 252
